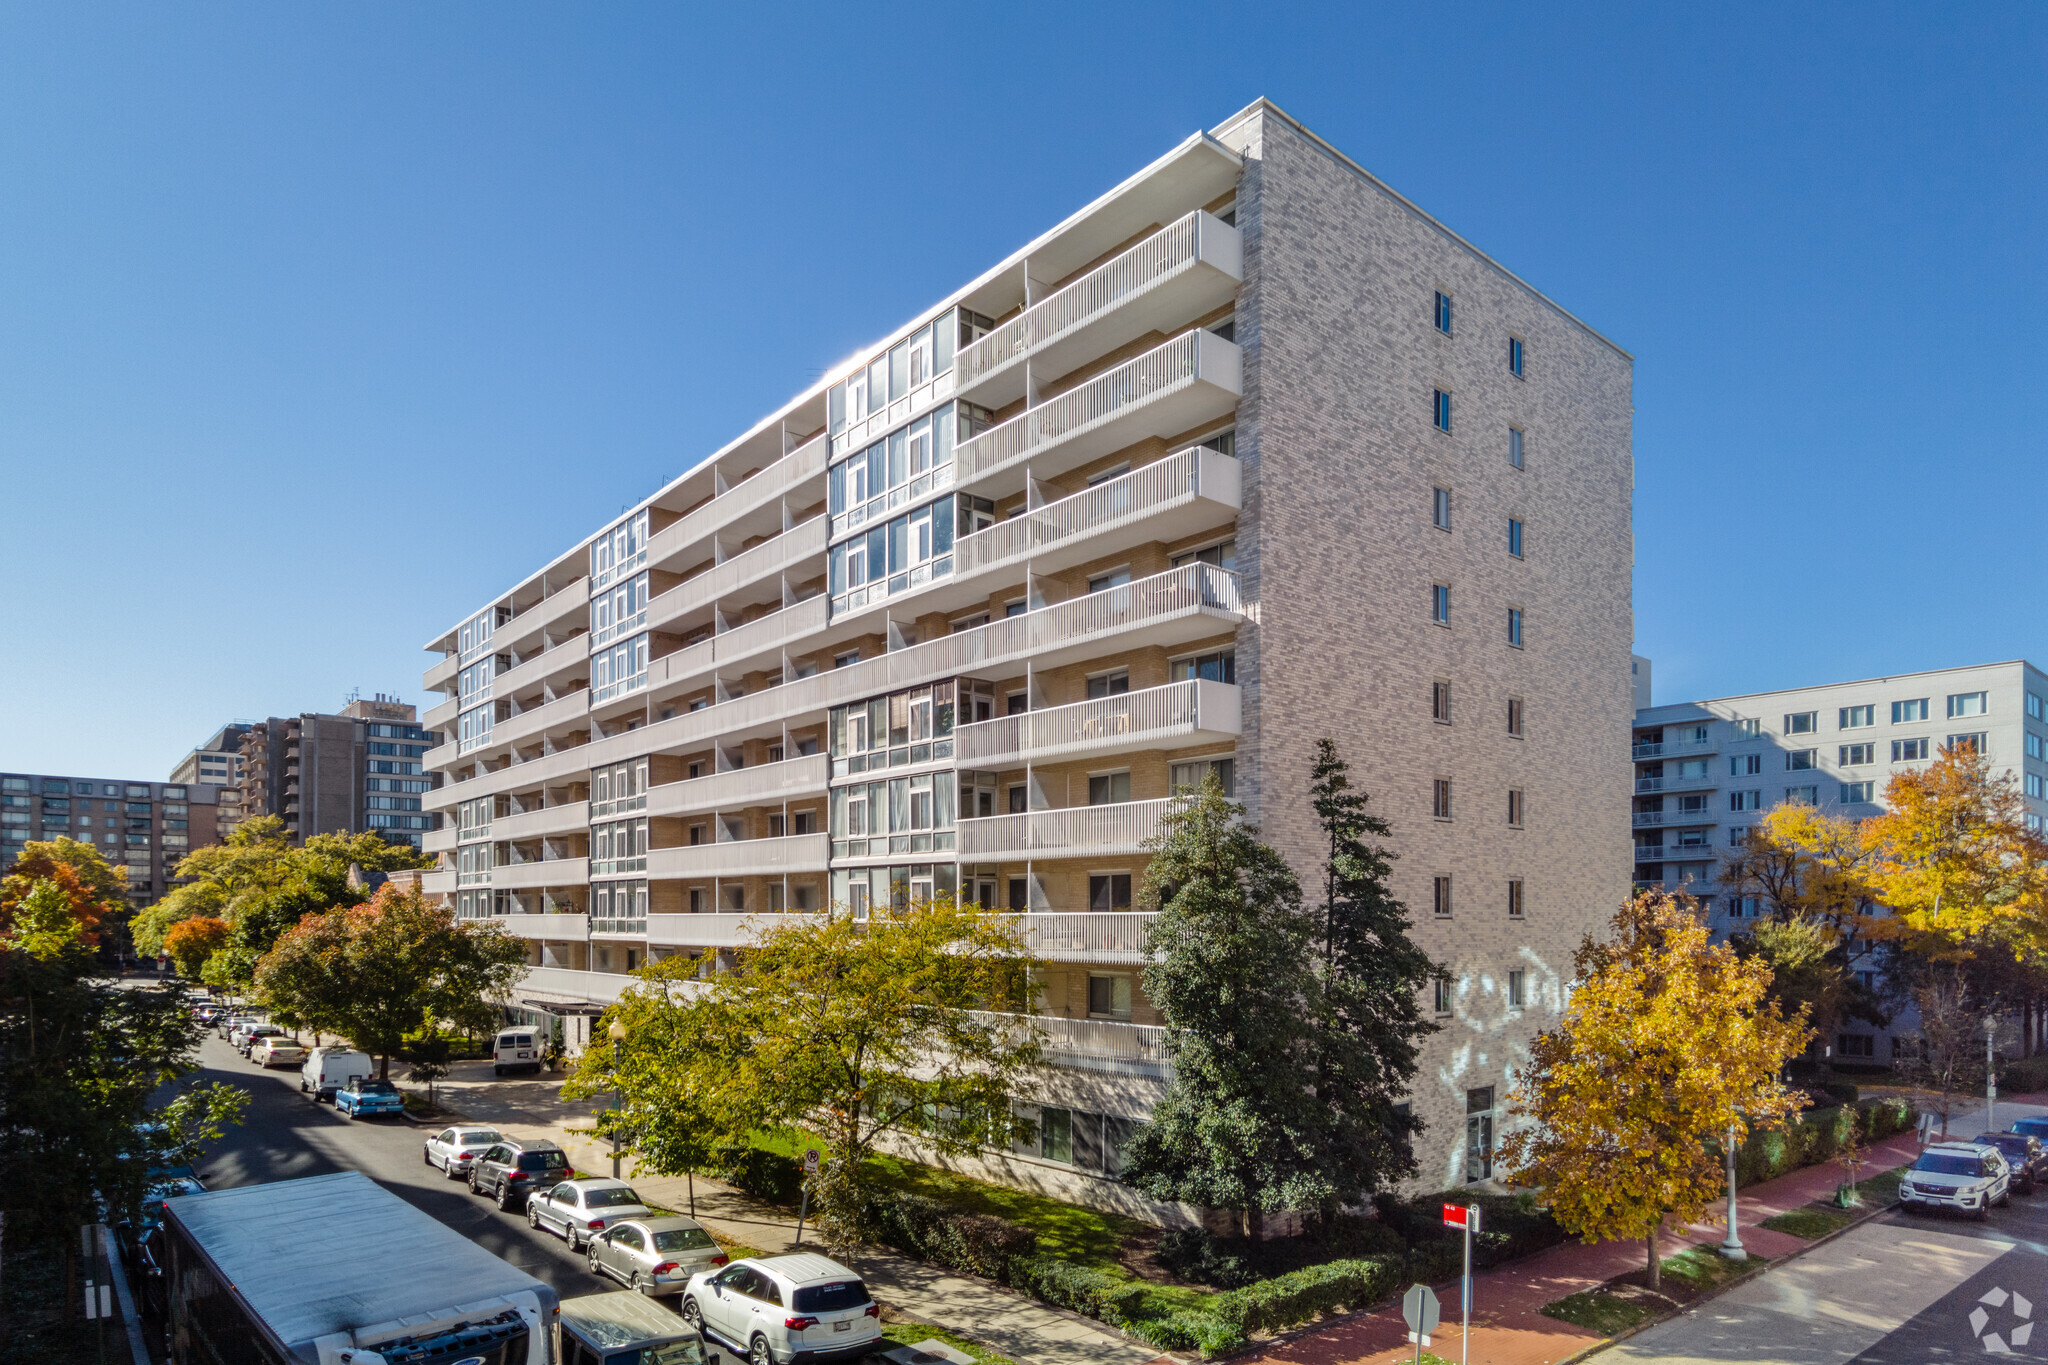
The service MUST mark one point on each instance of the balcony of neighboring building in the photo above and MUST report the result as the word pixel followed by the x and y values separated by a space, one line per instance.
pixel 1674 818
pixel 1121 828
pixel 1177 715
pixel 765 784
pixel 552 927
pixel 537 873
pixel 1686 775
pixel 1189 268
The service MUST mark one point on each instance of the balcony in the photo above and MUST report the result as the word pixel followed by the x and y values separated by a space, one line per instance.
pixel 575 928
pixel 566 983
pixel 1186 492
pixel 756 645
pixel 439 883
pixel 1170 608
pixel 767 785
pixel 573 653
pixel 719 930
pixel 439 675
pixel 1180 272
pixel 572 709
pixel 569 818
pixel 1673 853
pixel 772 557
pixel 437 841
pixel 1096 1044
pixel 740 858
pixel 441 717
pixel 1671 819
pixel 1068 832
pixel 1177 715
pixel 1675 749
pixel 540 873
pixel 786 474
pixel 1650 786
pixel 1192 379
pixel 1111 936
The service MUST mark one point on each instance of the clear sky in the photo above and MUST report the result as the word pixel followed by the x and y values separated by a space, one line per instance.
pixel 322 324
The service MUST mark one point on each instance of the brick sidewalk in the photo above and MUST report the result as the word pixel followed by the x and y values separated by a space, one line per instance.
pixel 1509 1327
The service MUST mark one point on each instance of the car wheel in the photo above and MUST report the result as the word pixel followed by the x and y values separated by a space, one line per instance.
pixel 505 1199
pixel 645 1286
pixel 426 1156
pixel 2005 1200
pixel 596 1268
pixel 498 1071
pixel 693 1315
pixel 533 1217
pixel 569 1235
pixel 473 1189
pixel 759 1353
pixel 448 1169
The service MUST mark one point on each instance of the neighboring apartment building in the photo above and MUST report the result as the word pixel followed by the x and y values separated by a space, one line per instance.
pixel 1706 771
pixel 218 761
pixel 1247 452
pixel 146 827
pixel 325 774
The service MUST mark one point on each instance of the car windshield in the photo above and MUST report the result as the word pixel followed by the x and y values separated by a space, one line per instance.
pixel 2009 1142
pixel 683 1239
pixel 2031 1127
pixel 376 1088
pixel 1946 1163
pixel 829 1298
pixel 671 1353
pixel 540 1161
pixel 609 1199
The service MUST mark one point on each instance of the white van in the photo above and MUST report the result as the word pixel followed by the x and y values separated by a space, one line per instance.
pixel 517 1049
pixel 328 1069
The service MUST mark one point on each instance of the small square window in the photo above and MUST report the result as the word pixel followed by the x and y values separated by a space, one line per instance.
pixel 1443 312
pixel 1440 799
pixel 1441 410
pixel 1515 899
pixel 1857 717
pixel 1856 793
pixel 1440 508
pixel 1905 712
pixel 1441 897
pixel 1440 702
pixel 1515 356
pixel 1908 750
pixel 1965 704
pixel 1855 755
pixel 1801 722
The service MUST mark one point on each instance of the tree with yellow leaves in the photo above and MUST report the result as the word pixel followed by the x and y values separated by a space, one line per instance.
pixel 1669 1041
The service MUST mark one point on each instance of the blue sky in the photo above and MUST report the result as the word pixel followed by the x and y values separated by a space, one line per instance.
pixel 303 309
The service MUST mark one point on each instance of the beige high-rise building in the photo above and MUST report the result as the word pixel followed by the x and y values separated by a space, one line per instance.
pixel 1249 451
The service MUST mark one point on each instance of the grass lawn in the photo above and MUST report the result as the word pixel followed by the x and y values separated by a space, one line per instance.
pixel 1619 1306
pixel 1598 1311
pixel 901 1331
pixel 1818 1219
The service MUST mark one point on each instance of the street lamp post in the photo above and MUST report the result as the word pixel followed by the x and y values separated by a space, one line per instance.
pixel 618 1036
pixel 1732 1248
pixel 1990 1076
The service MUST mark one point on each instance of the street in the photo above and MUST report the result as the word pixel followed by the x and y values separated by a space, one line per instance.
pixel 284 1136
pixel 1901 1288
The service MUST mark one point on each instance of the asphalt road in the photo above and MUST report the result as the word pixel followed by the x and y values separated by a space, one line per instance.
pixel 284 1135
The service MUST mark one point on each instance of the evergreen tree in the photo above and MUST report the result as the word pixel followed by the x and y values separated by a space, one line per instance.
pixel 1370 978
pixel 1239 1126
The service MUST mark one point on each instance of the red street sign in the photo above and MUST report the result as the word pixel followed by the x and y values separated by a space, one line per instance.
pixel 1462 1216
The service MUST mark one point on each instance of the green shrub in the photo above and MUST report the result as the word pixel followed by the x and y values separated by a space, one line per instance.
pixel 977 1243
pixel 1234 1262
pixel 763 1174
pixel 1303 1294
pixel 1841 1091
pixel 1819 1135
pixel 1513 1226
pixel 2024 1075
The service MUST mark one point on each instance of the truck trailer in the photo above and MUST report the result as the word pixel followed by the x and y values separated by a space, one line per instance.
pixel 336 1270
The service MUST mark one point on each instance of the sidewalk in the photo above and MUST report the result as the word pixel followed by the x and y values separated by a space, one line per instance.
pixel 1023 1329
pixel 1509 1327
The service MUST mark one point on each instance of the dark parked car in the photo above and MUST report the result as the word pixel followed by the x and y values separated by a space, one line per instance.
pixel 512 1169
pixel 2032 1127
pixel 2026 1154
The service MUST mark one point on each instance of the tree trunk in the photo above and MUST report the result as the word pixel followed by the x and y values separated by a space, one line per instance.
pixel 383 1066
pixel 1656 1266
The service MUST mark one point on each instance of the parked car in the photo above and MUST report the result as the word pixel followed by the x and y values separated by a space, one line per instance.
pixel 2037 1126
pixel 2027 1156
pixel 255 1033
pixel 511 1169
pixel 1957 1175
pixel 655 1255
pixel 574 1209
pixel 209 1015
pixel 227 1026
pixel 277 1050
pixel 452 1149
pixel 624 1329
pixel 328 1069
pixel 366 1095
pixel 785 1310
pixel 516 1049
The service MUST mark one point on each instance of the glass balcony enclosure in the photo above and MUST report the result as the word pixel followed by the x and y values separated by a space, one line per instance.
pixel 618 670
pixel 905 553
pixel 618 846
pixel 618 907
pixel 895 375
pixel 912 814
pixel 618 789
pixel 893 886
pixel 897 731
pixel 618 610
pixel 618 551
pixel 475 635
pixel 900 468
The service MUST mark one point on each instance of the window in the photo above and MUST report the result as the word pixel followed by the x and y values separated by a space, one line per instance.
pixel 1219 667
pixel 1516 990
pixel 1514 808
pixel 1020 895
pixel 846 660
pixel 1109 997
pixel 1479 1134
pixel 1515 356
pixel 1443 312
pixel 1965 704
pixel 1440 702
pixel 1440 801
pixel 2034 705
pixel 2034 785
pixel 1441 995
pixel 1515 899
pixel 1799 760
pixel 1441 410
pixel 1223 556
pixel 1441 897
pixel 1745 727
pixel 1020 799
pixel 1109 891
pixel 1440 603
pixel 1856 793
pixel 1969 743
pixel 1184 778
pixel 1749 800
pixel 2034 745
pixel 1908 750
pixel 1857 1045
pixel 1515 716
pixel 1440 508
pixel 1115 578
pixel 1515 627
pixel 1515 447
pixel 1853 755
pixel 1801 722
pixel 1745 765
pixel 1109 789
pixel 1515 537
pixel 1802 796
pixel 1905 712
pixel 1113 684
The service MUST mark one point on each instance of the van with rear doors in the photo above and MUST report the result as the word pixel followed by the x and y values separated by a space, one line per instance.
pixel 516 1049
pixel 328 1069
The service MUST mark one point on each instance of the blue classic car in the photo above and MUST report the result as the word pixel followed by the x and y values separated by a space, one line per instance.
pixel 365 1095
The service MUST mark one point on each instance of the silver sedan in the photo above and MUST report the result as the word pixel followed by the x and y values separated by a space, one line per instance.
pixel 655 1255
pixel 575 1209
pixel 452 1149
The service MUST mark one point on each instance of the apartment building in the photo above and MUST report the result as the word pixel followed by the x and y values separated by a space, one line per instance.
pixel 347 773
pixel 1706 771
pixel 1247 452
pixel 144 827
pixel 218 762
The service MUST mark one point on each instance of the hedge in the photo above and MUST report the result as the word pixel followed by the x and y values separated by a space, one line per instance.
pixel 977 1243
pixel 1512 1226
pixel 1818 1135
pixel 1304 1294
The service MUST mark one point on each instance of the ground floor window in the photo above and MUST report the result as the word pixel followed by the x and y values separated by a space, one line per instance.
pixel 1085 1141
pixel 1479 1134
pixel 1862 1045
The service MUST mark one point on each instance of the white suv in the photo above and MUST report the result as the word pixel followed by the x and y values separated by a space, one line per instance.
pixel 785 1310
pixel 1958 1175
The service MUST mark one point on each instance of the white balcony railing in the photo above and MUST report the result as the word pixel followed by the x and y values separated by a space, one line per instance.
pixel 741 858
pixel 767 784
pixel 567 983
pixel 1654 819
pixel 571 817
pixel 1089 418
pixel 1066 1040
pixel 1195 711
pixel 764 486
pixel 1111 936
pixel 1069 832
pixel 575 928
pixel 719 930
pixel 1180 479
pixel 1173 251
pixel 541 872
pixel 1673 749
pixel 1649 786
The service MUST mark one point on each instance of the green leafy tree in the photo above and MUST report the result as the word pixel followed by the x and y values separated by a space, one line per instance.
pixel 1240 1126
pixel 1370 977
pixel 93 890
pixel 857 1030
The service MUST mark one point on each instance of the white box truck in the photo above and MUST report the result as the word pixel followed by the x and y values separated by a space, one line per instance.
pixel 336 1270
